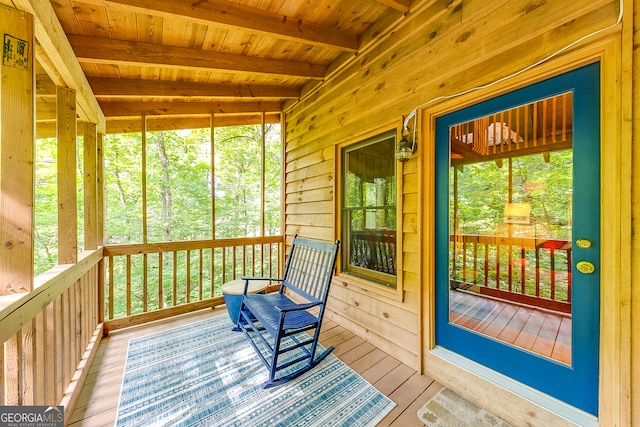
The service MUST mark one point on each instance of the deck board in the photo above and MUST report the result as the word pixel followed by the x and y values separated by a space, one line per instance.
pixel 99 397
pixel 542 331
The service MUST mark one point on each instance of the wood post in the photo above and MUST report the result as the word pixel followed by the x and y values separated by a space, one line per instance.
pixel 91 206
pixel 17 141
pixel 100 189
pixel 67 203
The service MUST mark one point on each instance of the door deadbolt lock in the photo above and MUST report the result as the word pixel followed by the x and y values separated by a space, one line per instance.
pixel 585 267
pixel 584 243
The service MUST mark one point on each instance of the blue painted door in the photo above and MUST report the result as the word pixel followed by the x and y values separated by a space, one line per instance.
pixel 517 235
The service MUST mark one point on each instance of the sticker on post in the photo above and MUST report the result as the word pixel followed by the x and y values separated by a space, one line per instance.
pixel 15 52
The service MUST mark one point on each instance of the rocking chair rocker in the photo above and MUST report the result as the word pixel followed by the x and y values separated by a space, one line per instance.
pixel 276 325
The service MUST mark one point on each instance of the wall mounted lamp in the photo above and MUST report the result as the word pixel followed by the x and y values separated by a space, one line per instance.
pixel 406 147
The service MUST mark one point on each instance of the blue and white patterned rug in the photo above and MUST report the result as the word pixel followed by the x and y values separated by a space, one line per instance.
pixel 204 374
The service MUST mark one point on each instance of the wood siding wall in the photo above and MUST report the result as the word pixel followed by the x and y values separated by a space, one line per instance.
pixel 443 48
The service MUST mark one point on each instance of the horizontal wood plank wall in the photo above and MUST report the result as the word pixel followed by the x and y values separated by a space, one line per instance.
pixel 441 48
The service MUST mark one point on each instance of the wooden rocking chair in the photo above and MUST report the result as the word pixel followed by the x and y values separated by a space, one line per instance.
pixel 276 325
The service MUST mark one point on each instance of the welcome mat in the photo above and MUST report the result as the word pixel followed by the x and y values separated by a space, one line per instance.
pixel 204 374
pixel 448 409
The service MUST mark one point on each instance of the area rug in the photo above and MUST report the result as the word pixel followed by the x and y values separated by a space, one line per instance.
pixel 448 409
pixel 204 374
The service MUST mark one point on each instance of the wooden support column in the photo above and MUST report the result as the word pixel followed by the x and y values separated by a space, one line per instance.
pixel 17 141
pixel 145 231
pixel 100 189
pixel 263 143
pixel 91 207
pixel 67 201
pixel 633 73
pixel 213 181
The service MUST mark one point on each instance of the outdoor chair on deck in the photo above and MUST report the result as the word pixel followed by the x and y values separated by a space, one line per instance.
pixel 282 331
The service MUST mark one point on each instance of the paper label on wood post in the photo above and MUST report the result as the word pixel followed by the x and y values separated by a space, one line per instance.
pixel 15 52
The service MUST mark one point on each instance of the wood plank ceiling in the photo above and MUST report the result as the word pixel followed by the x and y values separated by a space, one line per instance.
pixel 177 61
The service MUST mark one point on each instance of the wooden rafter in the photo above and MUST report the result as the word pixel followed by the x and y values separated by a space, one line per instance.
pixel 193 122
pixel 135 88
pixel 236 15
pixel 399 5
pixel 109 51
pixel 126 109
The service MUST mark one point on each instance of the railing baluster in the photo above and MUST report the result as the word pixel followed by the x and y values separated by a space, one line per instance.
pixel 160 284
pixel 464 261
pixel 510 267
pixel 128 289
pixel 475 261
pixel 145 286
pixel 188 274
pixel 235 261
pixel 244 260
pixel 213 272
pixel 497 265
pixel 253 260
pixel 537 271
pixel 111 287
pixel 553 273
pixel 523 270
pixel 486 264
pixel 224 265
pixel 175 278
pixel 200 273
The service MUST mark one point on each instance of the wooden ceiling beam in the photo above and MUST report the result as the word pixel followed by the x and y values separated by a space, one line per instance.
pixel 399 5
pixel 235 15
pixel 110 51
pixel 178 123
pixel 136 88
pixel 126 109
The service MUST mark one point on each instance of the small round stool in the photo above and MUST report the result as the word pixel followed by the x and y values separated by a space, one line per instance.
pixel 232 293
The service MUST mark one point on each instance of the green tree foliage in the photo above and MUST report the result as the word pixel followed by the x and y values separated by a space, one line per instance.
pixel 238 181
pixel 479 194
pixel 123 177
pixel 179 190
pixel 483 191
pixel 46 206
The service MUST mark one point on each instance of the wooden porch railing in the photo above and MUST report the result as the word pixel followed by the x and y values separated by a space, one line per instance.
pixel 144 282
pixel 51 334
pixel 525 270
pixel 48 332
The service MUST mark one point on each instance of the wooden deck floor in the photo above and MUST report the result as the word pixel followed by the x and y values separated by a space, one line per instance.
pixel 542 331
pixel 99 397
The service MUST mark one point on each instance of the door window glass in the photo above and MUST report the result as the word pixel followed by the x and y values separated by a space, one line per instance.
pixel 510 203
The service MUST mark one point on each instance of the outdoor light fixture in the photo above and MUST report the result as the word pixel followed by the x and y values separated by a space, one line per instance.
pixel 407 145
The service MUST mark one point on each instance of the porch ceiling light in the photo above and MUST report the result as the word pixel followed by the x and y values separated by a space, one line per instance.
pixel 406 147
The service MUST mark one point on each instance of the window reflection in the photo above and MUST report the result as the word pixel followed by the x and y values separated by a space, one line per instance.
pixel 510 186
pixel 369 210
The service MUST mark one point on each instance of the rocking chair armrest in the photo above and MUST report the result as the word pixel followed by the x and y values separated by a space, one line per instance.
pixel 247 278
pixel 296 307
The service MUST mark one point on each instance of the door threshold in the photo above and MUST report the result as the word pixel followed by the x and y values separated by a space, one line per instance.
pixel 543 400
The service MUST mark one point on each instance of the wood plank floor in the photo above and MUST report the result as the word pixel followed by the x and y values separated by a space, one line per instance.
pixel 542 331
pixel 410 390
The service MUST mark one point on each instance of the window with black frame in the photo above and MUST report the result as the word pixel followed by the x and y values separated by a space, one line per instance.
pixel 369 209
